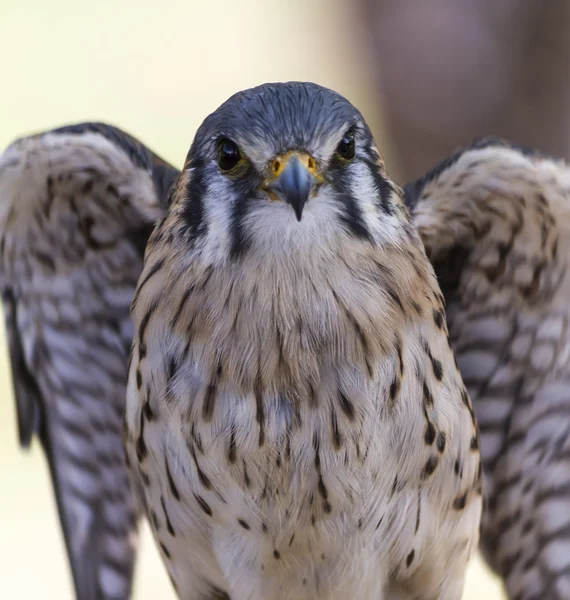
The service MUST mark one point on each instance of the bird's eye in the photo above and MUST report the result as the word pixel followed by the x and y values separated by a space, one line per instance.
pixel 346 149
pixel 228 155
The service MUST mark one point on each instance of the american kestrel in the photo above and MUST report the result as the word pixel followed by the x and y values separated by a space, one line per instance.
pixel 494 219
pixel 294 413
pixel 77 205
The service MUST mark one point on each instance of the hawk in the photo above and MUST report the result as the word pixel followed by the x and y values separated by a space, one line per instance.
pixel 295 416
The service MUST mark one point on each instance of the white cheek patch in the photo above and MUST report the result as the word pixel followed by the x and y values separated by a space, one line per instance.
pixel 218 205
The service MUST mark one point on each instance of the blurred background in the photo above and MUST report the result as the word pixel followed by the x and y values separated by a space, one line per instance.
pixel 427 74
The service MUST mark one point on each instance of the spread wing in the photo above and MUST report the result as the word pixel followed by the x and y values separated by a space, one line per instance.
pixel 495 222
pixel 77 205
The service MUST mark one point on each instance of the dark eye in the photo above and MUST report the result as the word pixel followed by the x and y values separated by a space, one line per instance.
pixel 228 155
pixel 346 148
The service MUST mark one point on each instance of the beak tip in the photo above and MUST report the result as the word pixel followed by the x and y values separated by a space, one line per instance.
pixel 294 185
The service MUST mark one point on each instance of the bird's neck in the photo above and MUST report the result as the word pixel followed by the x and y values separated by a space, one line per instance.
pixel 293 317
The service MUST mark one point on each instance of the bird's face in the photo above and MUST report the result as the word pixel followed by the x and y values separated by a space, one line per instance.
pixel 285 162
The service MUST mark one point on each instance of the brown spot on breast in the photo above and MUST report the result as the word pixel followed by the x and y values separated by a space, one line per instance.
pixel 428 398
pixel 244 524
pixel 360 333
pixel 410 558
pixel 437 368
pixel 416 307
pixel 204 480
pixel 211 394
pixel 336 437
pixel 430 466
pixel 430 433
pixel 438 318
pixel 394 486
pixel 232 446
pixel 171 484
pixel 203 505
pixel 394 388
pixel 395 298
pixel 460 502
pixel 260 412
pixel 346 405
pixel 400 359
pixel 209 402
pixel 418 511
pixel 140 447
pixel 441 441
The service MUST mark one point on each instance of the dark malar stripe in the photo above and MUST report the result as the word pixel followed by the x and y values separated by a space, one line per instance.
pixel 240 241
pixel 384 188
pixel 193 212
pixel 351 217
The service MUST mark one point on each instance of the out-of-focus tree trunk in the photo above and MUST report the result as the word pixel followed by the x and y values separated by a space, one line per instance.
pixel 451 70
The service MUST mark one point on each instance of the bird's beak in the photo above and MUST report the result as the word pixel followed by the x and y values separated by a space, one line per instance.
pixel 294 178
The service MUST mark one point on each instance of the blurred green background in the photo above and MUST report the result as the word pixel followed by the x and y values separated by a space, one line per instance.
pixel 155 69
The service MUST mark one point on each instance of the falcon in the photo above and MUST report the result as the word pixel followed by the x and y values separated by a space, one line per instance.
pixel 77 205
pixel 493 218
pixel 295 417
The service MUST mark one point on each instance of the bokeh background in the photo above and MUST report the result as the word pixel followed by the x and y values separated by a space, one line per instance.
pixel 427 74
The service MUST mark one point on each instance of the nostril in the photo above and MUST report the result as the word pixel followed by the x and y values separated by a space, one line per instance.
pixel 276 165
pixel 311 163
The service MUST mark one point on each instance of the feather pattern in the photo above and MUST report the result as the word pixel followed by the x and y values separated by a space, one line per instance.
pixel 77 205
pixel 294 413
pixel 495 222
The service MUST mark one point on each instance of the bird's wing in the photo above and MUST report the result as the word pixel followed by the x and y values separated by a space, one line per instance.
pixel 77 205
pixel 495 222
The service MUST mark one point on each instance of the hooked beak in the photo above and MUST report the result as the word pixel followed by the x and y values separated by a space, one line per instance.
pixel 295 178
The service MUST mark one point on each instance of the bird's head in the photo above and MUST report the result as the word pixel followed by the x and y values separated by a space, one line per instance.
pixel 285 162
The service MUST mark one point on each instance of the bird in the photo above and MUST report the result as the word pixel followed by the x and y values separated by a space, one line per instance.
pixel 494 218
pixel 77 205
pixel 294 413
